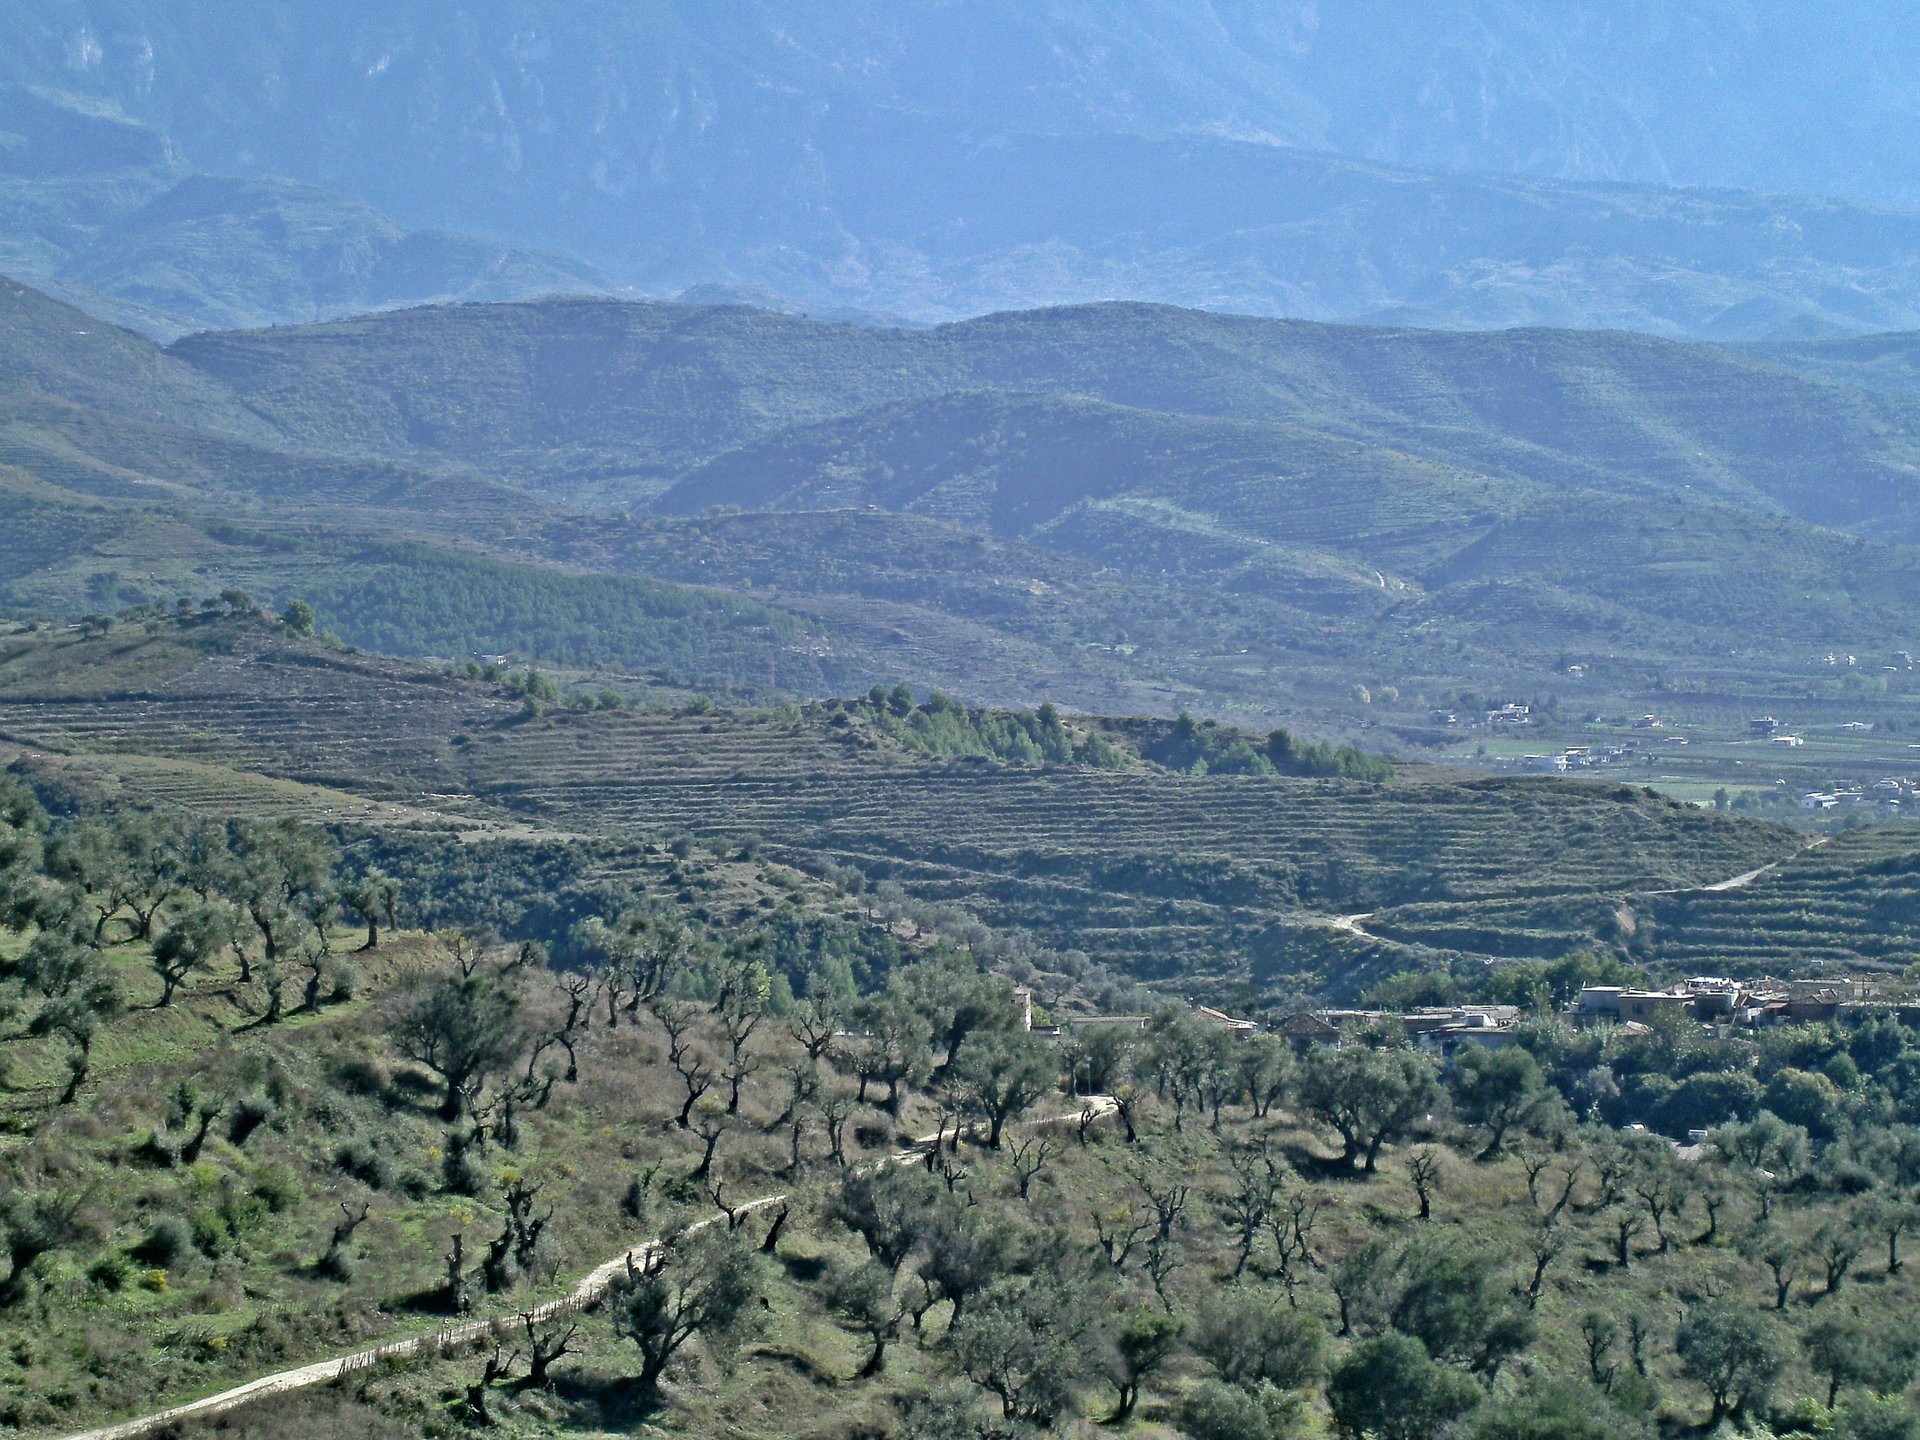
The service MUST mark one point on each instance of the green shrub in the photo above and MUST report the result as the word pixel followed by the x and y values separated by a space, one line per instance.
pixel 1215 1410
pixel 339 1263
pixel 165 1244
pixel 277 1187
pixel 211 1234
pixel 366 1162
pixel 463 1170
pixel 250 1112
pixel 363 1075
pixel 1391 1388
pixel 1880 1418
pixel 111 1272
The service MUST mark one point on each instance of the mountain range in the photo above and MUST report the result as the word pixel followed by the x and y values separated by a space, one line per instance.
pixel 104 211
pixel 1480 163
pixel 1129 508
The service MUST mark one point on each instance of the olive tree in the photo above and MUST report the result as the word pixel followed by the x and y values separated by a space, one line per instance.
pixel 1368 1097
pixel 1389 1388
pixel 1732 1352
pixel 464 1028
pixel 1001 1074
pixel 694 1283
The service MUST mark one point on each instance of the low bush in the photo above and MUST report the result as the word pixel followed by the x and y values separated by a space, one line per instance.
pixel 169 1239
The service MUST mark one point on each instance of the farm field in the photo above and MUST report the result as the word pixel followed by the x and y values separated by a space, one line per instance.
pixel 1711 761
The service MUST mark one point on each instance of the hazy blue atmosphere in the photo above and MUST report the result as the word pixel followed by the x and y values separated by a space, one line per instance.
pixel 1725 169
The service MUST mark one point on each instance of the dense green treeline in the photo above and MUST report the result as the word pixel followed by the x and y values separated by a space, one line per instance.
pixel 1204 747
pixel 943 728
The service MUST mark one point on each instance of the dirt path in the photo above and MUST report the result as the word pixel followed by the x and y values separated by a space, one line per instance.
pixel 1355 924
pixel 1740 882
pixel 590 1289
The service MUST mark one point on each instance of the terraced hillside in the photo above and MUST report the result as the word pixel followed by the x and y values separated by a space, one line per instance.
pixel 1226 881
pixel 1850 903
pixel 1165 874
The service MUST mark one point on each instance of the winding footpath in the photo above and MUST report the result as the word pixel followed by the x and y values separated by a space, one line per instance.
pixel 591 1289
pixel 1355 925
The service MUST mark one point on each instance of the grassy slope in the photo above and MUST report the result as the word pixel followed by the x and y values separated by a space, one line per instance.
pixel 113 1334
pixel 250 1300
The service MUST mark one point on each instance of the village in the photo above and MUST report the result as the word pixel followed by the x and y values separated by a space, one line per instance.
pixel 1709 1000
pixel 1828 771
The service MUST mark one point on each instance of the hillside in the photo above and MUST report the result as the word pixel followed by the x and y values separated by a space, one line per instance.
pixel 596 388
pixel 58 351
pixel 106 211
pixel 1224 879
pixel 1465 168
pixel 1122 508
pixel 1329 524
pixel 1886 363
pixel 290 1145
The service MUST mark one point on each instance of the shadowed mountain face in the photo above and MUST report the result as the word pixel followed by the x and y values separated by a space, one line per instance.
pixel 1478 163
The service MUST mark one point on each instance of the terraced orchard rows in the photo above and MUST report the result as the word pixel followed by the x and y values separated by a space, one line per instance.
pixel 1851 903
pixel 245 700
pixel 1162 873
pixel 1218 878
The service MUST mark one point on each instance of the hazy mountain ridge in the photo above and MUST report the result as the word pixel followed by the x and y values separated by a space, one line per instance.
pixel 614 399
pixel 107 211
pixel 941 161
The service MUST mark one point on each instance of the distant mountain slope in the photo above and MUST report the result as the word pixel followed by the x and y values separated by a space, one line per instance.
pixel 52 349
pixel 1333 524
pixel 1458 166
pixel 1126 508
pixel 1012 463
pixel 614 398
pixel 236 253
pixel 1887 363
pixel 1723 92
pixel 106 209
